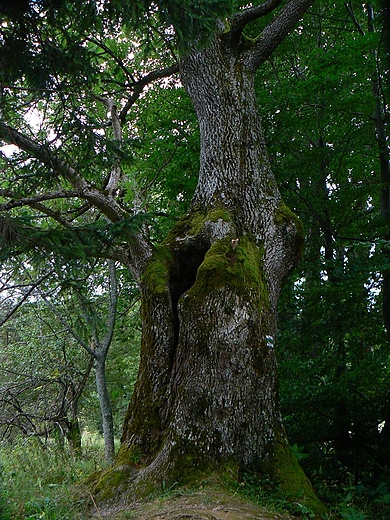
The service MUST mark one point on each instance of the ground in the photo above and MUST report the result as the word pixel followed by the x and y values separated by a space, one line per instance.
pixel 199 505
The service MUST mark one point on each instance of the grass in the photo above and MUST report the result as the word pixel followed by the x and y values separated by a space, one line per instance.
pixel 38 482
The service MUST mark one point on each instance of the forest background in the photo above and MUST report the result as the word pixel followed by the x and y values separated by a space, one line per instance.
pixel 323 98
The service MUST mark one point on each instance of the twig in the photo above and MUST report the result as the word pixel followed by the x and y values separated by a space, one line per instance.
pixel 96 507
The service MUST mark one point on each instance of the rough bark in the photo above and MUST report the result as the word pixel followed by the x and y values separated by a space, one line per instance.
pixel 234 168
pixel 206 398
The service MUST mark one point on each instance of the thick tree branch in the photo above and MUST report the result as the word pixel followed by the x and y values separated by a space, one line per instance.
pixel 276 31
pixel 106 204
pixel 55 215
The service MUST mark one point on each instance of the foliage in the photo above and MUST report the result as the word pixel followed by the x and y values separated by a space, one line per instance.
pixel 267 493
pixel 58 90
pixel 40 371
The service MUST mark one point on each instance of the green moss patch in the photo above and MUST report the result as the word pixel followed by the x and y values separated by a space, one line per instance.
pixel 156 274
pixel 284 216
pixel 113 481
pixel 240 268
pixel 283 468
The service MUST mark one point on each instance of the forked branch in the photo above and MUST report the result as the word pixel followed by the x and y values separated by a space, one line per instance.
pixel 27 201
pixel 106 204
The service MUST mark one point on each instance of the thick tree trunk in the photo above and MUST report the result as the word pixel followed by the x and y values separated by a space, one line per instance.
pixel 206 398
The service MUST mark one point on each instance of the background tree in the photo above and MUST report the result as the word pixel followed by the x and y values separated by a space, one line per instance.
pixel 96 344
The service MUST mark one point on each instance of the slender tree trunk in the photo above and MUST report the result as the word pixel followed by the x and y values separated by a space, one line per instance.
pixel 105 408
